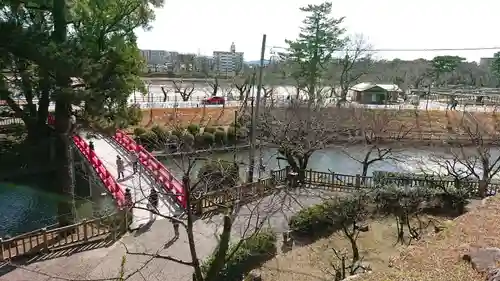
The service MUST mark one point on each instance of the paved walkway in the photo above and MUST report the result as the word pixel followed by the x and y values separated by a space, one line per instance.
pixel 140 183
pixel 104 263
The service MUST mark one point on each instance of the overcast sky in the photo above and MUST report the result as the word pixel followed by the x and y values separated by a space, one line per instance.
pixel 202 26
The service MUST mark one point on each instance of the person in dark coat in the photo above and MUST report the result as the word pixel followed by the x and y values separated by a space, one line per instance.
pixel 153 202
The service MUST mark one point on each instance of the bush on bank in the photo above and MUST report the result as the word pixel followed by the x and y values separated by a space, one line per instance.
pixel 217 174
pixel 158 136
pixel 324 218
pixel 251 253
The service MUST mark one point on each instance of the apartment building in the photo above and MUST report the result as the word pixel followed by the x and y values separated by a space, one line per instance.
pixel 228 63
pixel 159 57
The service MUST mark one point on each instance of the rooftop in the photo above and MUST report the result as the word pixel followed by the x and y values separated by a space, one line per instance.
pixel 368 85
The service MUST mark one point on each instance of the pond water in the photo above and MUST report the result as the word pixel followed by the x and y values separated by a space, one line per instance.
pixel 28 207
pixel 340 160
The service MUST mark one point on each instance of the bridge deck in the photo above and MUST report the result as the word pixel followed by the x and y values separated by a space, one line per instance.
pixel 140 184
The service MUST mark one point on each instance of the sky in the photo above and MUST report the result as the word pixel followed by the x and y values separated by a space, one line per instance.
pixel 201 26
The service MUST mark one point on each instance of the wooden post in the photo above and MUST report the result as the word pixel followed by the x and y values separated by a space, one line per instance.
pixel 2 250
pixel 310 176
pixel 113 227
pixel 358 181
pixel 273 177
pixel 85 236
pixel 45 240
pixel 333 179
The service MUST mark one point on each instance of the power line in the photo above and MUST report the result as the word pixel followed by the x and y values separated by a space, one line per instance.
pixel 412 50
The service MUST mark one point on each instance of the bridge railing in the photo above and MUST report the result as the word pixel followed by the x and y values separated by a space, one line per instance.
pixel 52 239
pixel 155 167
pixel 107 179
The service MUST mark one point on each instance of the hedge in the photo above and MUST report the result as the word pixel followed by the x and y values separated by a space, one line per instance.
pixel 209 130
pixel 220 137
pixel 139 131
pixel 251 253
pixel 194 129
pixel 315 221
pixel 208 138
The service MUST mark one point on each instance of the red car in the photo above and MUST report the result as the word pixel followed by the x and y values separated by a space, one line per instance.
pixel 214 100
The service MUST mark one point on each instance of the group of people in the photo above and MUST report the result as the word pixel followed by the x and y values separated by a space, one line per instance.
pixel 120 165
pixel 153 197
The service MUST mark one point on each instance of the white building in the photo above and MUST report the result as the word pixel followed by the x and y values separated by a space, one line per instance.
pixel 228 63
pixel 159 57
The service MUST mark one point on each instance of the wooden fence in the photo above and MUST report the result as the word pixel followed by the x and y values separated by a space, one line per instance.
pixel 53 238
pixel 332 182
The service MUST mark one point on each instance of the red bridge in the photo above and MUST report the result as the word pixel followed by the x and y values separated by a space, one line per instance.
pixel 152 173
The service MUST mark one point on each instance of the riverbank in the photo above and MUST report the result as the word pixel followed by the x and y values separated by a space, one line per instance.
pixel 162 154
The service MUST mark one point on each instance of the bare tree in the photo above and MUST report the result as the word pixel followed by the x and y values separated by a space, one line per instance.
pixel 243 86
pixel 298 131
pixel 165 93
pixel 474 158
pixel 184 90
pixel 353 64
pixel 379 134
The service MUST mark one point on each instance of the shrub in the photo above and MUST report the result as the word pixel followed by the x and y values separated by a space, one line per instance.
pixel 139 131
pixel 188 139
pixel 194 129
pixel 314 221
pixel 220 137
pixel 149 140
pixel 199 140
pixel 251 253
pixel 217 174
pixel 161 133
pixel 178 132
pixel 209 130
pixel 134 115
pixel 231 135
pixel 208 138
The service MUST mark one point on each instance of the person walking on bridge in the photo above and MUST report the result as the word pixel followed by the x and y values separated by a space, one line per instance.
pixel 135 161
pixel 120 167
pixel 153 203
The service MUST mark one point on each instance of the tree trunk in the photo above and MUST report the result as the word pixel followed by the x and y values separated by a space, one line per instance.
pixel 62 113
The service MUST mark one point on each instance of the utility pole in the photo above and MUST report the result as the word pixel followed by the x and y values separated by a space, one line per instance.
pixel 255 113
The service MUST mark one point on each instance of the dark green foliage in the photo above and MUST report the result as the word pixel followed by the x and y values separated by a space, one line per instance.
pixel 134 115
pixel 149 140
pixel 208 139
pixel 314 221
pixel 178 132
pixel 220 137
pixel 160 132
pixel 250 254
pixel 217 174
pixel 194 129
pixel 231 135
pixel 139 131
pixel 209 130
pixel 188 139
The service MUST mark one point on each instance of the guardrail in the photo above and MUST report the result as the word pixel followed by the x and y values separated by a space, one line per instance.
pixel 52 239
pixel 183 104
pixel 155 167
pixel 327 181
pixel 107 179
